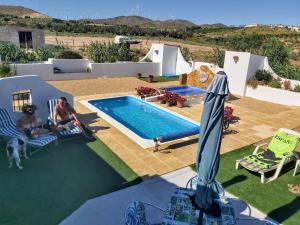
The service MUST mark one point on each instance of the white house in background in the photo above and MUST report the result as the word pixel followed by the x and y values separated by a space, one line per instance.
pixel 251 25
pixel 30 89
pixel 294 28
pixel 120 39
pixel 23 37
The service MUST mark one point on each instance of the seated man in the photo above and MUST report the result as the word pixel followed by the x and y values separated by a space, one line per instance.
pixel 65 116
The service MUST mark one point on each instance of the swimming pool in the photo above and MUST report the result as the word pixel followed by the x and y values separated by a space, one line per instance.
pixel 185 90
pixel 143 121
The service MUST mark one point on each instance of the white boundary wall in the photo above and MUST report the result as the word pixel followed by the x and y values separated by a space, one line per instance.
pixel 125 69
pixel 41 92
pixel 44 70
pixel 274 95
pixel 71 65
pixel 120 69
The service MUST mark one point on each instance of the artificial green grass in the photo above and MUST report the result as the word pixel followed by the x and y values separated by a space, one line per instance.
pixel 161 79
pixel 272 198
pixel 57 180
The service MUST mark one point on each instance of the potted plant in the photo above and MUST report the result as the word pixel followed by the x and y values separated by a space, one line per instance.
pixel 146 91
pixel 228 116
pixel 150 78
pixel 171 98
pixel 162 99
pixel 180 101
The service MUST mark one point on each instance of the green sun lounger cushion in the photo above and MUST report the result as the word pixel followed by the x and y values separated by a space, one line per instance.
pixel 259 162
pixel 283 144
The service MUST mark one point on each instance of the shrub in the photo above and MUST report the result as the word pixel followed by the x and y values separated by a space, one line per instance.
pixel 43 54
pixel 275 83
pixel 219 57
pixel 276 52
pixel 297 88
pixel 68 54
pixel 253 83
pixel 97 52
pixel 263 75
pixel 110 52
pixel 147 60
pixel 31 56
pixel 11 53
pixel 5 70
pixel 186 54
pixel 287 71
pixel 124 53
pixel 287 85
pixel 135 58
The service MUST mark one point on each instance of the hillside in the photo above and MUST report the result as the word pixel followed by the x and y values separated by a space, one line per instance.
pixel 20 11
pixel 142 22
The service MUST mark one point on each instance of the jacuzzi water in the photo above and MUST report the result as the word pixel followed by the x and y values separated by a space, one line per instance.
pixel 145 119
pixel 185 90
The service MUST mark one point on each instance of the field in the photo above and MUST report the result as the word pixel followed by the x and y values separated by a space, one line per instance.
pixel 80 41
pixel 201 45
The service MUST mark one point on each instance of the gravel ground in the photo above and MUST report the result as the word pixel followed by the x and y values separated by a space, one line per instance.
pixel 104 85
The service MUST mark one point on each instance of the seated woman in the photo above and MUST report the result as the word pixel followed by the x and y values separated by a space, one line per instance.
pixel 28 123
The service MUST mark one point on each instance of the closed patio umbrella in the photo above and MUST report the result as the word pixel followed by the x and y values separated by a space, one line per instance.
pixel 208 152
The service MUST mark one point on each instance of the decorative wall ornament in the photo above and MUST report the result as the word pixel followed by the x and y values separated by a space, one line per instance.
pixel 236 59
pixel 203 77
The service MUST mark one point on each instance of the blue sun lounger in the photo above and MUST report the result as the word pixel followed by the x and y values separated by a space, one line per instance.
pixel 8 129
pixel 64 133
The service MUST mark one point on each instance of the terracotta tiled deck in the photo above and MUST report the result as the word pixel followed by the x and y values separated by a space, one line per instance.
pixel 258 121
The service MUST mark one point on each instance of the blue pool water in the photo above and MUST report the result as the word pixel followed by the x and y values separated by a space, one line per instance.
pixel 185 90
pixel 144 119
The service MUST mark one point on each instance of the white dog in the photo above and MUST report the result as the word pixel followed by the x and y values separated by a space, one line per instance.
pixel 13 149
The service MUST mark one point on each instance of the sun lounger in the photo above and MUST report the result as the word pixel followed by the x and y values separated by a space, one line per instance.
pixel 51 106
pixel 279 152
pixel 8 130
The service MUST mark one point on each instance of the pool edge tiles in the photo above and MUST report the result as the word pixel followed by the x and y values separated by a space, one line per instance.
pixel 143 142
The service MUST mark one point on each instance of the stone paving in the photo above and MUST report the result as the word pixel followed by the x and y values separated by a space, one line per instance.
pixel 258 120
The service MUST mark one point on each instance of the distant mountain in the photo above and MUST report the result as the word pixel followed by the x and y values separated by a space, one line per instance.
pixel 142 22
pixel 214 25
pixel 139 21
pixel 20 11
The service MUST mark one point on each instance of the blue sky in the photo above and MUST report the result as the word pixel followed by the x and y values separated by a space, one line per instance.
pixel 230 12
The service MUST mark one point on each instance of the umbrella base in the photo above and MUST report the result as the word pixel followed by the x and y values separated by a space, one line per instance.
pixel 214 210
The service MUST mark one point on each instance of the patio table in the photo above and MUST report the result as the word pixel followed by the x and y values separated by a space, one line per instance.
pixel 180 211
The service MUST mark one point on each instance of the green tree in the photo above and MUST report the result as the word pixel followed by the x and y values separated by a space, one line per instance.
pixel 276 52
pixel 219 57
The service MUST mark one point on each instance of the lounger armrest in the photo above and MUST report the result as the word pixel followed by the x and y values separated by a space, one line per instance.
pixel 258 147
